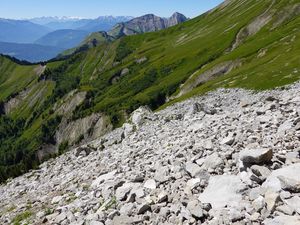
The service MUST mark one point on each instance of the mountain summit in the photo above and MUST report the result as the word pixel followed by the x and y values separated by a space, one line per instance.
pixel 146 23
pixel 139 25
pixel 175 19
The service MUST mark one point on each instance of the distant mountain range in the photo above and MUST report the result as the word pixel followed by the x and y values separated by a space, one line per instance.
pixel 139 25
pixel 43 38
pixel 40 39
pixel 102 23
pixel 21 31
pixel 49 19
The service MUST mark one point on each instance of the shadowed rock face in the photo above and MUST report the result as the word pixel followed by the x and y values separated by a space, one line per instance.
pixel 93 126
pixel 147 23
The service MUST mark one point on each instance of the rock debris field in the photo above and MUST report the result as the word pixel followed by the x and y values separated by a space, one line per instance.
pixel 229 157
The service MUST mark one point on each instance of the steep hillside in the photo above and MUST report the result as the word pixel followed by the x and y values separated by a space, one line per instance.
pixel 250 44
pixel 14 77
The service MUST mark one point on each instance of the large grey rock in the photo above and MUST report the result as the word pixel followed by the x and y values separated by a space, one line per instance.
pixel 162 174
pixel 224 190
pixel 56 199
pixel 123 191
pixel 235 215
pixel 162 197
pixel 127 209
pixel 128 129
pixel 259 203
pixel 192 169
pixel 150 184
pixel 272 198
pixel 139 116
pixel 192 183
pixel 285 209
pixel 228 140
pixel 104 177
pixel 143 208
pixel 287 178
pixel 294 203
pixel 195 209
pixel 255 156
pixel 61 217
pixel 83 151
pixel 261 171
pixel 213 162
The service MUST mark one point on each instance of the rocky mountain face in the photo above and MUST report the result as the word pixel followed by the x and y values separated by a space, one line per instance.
pixel 147 23
pixel 229 157
pixel 175 19
pixel 139 25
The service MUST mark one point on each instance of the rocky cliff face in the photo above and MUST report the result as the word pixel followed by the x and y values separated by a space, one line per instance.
pixel 230 157
pixel 147 23
pixel 139 25
pixel 175 19
pixel 74 132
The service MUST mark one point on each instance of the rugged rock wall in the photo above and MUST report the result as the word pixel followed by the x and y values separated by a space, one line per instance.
pixel 230 157
pixel 92 126
pixel 146 23
pixel 71 101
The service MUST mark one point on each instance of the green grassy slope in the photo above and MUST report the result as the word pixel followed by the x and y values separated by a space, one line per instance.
pixel 121 75
pixel 192 48
pixel 13 77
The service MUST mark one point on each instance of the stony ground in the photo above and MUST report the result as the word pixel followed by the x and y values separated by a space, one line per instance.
pixel 230 157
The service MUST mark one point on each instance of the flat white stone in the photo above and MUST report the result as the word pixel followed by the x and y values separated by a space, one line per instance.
pixel 289 174
pixel 223 191
pixel 104 177
pixel 150 184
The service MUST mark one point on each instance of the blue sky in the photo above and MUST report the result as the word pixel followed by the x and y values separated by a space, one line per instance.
pixel 94 8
